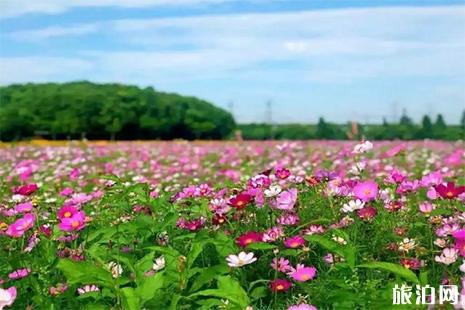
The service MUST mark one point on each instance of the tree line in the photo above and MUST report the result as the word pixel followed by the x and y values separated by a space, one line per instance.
pixel 114 111
pixel 404 129
pixel 106 111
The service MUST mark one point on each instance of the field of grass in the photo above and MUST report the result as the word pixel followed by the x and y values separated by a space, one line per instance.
pixel 231 225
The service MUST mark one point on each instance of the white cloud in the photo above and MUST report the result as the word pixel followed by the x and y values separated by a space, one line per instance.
pixel 13 8
pixel 53 32
pixel 284 55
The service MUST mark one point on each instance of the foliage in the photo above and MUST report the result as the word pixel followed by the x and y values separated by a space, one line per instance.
pixel 103 111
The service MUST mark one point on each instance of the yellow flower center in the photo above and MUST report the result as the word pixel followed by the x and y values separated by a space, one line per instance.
pixel 67 214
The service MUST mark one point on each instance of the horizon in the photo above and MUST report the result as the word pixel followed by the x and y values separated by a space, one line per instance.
pixel 344 60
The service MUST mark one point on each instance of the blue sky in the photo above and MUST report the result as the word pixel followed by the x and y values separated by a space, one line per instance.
pixel 344 60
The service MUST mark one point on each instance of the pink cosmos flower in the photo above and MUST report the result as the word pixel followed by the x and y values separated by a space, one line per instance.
pixel 273 234
pixel 19 274
pixel 74 223
pixel 67 191
pixel 366 191
pixel 426 207
pixel 294 242
pixel 7 297
pixel 286 199
pixel 303 274
pixel 290 219
pixel 66 212
pixel 24 207
pixel 20 226
pixel 302 307
pixel 281 264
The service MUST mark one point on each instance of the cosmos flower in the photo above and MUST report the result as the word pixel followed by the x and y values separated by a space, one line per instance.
pixel 281 264
pixel 87 289
pixel 302 306
pixel 273 191
pixel 366 191
pixel 26 190
pixel 248 238
pixel 367 213
pixel 407 245
pixel 352 205
pixel 20 226
pixel 115 269
pixel 240 201
pixel 24 207
pixel 282 173
pixel 411 263
pixel 294 242
pixel 448 256
pixel 289 219
pixel 159 263
pixel 19 274
pixel 449 191
pixel 286 199
pixel 273 234
pixel 66 212
pixel 280 285
pixel 426 207
pixel 362 147
pixel 74 223
pixel 7 296
pixel 303 274
pixel 240 260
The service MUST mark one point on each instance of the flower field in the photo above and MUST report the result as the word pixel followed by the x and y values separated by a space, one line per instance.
pixel 229 225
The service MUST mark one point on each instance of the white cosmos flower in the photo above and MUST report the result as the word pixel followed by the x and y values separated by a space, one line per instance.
pixel 241 259
pixel 352 205
pixel 448 256
pixel 363 147
pixel 274 190
pixel 159 263
pixel 115 269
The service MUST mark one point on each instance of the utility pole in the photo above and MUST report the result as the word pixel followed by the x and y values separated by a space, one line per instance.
pixel 269 117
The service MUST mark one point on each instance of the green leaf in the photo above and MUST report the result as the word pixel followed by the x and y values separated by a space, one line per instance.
pixel 261 246
pixel 207 275
pixel 259 292
pixel 398 270
pixel 441 211
pixel 228 288
pixel 85 272
pixel 130 300
pixel 349 252
pixel 149 287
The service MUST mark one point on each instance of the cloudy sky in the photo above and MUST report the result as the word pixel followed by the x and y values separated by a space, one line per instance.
pixel 344 60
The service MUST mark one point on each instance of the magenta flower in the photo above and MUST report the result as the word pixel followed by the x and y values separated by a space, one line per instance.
pixel 19 274
pixel 66 212
pixel 366 191
pixel 74 223
pixel 286 199
pixel 303 274
pixel 294 242
pixel 25 190
pixel 20 226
